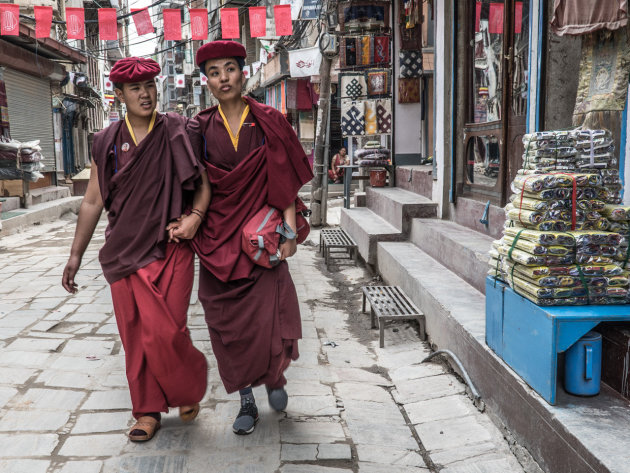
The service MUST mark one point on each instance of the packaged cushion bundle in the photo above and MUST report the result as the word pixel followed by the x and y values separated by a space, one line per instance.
pixel 20 161
pixel 373 154
pixel 549 151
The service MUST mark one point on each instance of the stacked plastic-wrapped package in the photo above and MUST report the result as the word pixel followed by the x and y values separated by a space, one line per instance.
pixel 372 154
pixel 21 160
pixel 558 247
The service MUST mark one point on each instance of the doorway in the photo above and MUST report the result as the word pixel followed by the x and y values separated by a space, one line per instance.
pixel 496 82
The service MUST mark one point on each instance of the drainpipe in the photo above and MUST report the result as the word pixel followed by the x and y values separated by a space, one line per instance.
pixel 394 21
pixel 451 193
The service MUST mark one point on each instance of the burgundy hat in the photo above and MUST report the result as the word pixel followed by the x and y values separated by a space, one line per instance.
pixel 134 69
pixel 219 49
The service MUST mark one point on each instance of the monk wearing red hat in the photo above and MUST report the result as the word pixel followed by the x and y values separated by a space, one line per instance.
pixel 253 158
pixel 145 174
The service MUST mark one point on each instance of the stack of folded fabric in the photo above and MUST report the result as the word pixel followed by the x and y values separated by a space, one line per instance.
pixel 563 240
pixel 548 151
pixel 372 154
pixel 20 160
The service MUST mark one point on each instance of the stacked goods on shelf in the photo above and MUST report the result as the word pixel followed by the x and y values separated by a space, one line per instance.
pixel 372 154
pixel 563 241
pixel 20 160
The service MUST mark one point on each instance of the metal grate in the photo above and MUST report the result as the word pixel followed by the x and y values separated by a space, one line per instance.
pixel 390 303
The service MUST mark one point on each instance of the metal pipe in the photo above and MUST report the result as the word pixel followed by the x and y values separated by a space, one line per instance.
pixel 476 396
pixel 452 197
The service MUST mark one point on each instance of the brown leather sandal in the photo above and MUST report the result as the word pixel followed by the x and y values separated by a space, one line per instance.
pixel 144 429
pixel 189 413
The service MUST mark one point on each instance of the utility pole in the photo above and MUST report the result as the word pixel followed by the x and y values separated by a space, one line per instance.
pixel 319 184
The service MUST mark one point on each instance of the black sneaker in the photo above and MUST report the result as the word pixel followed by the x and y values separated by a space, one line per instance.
pixel 278 399
pixel 246 419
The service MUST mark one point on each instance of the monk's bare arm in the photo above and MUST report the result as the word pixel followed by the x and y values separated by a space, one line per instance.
pixel 289 247
pixel 89 214
pixel 187 226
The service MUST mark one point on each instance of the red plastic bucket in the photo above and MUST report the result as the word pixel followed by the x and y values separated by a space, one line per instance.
pixel 378 177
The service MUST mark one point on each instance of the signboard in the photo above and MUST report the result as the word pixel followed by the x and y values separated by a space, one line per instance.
pixel 114 116
pixel 311 9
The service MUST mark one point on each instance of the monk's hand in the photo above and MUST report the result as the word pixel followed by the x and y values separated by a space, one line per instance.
pixel 287 249
pixel 187 227
pixel 69 272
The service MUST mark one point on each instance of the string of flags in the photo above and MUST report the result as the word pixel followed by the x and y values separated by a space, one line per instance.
pixel 108 22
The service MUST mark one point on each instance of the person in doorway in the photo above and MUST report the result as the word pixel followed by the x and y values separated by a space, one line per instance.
pixel 253 158
pixel 145 174
pixel 335 173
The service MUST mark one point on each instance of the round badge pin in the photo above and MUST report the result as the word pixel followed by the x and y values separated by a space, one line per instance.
pixel 125 147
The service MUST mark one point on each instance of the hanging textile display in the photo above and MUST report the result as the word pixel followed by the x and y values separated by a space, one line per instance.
pixel 410 28
pixel 603 82
pixel 353 85
pixel 142 20
pixel 377 83
pixel 381 49
pixel 370 117
pixel 366 50
pixel 409 90
pixel 305 62
pixel 384 116
pixel 578 17
pixel 43 21
pixel 348 48
pixel 410 63
pixel 352 118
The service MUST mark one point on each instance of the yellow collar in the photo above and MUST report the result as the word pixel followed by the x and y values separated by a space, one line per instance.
pixel 227 126
pixel 133 135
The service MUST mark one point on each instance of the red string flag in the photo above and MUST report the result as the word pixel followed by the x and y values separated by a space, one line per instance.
pixel 477 16
pixel 75 23
pixel 257 21
pixel 43 21
pixel 107 24
pixel 282 14
pixel 199 23
pixel 229 23
pixel 142 20
pixel 495 22
pixel 172 24
pixel 10 15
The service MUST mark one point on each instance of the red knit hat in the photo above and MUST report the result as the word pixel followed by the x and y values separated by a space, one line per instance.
pixel 134 69
pixel 219 49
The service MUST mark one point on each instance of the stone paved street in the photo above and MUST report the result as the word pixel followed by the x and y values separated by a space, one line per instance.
pixel 353 407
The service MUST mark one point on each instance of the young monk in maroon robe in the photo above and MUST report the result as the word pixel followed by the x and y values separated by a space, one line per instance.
pixel 144 172
pixel 253 158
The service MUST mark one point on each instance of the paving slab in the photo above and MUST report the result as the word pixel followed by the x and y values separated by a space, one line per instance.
pixel 33 421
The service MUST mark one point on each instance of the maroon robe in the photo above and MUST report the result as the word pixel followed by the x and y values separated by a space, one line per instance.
pixel 252 313
pixel 143 188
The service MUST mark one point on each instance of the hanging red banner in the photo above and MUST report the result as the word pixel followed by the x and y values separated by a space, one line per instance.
pixel 10 15
pixel 230 28
pixel 282 15
pixel 43 21
pixel 107 24
pixel 75 23
pixel 142 20
pixel 172 24
pixel 495 20
pixel 257 21
pixel 199 23
pixel 477 16
pixel 518 17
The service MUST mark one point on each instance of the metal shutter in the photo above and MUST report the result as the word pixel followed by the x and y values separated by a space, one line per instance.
pixel 30 112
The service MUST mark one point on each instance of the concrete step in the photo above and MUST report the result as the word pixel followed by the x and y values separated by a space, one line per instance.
pixel 418 179
pixel 399 206
pixel 367 229
pixel 456 247
pixel 575 435
pixel 47 194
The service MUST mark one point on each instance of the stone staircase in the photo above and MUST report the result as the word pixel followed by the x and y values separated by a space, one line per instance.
pixel 442 267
